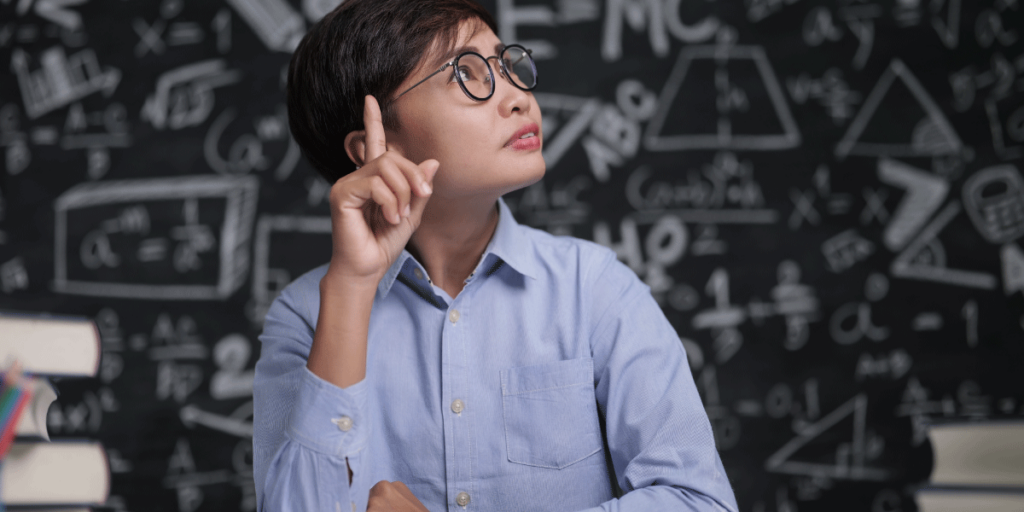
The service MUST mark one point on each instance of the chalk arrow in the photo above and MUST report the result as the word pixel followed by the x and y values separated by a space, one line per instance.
pixel 192 415
pixel 57 12
pixel 924 194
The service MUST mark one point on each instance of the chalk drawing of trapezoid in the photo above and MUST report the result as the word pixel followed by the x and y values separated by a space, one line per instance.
pixel 843 435
pixel 899 118
pixel 724 98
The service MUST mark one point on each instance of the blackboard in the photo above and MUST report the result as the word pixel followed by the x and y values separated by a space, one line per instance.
pixel 825 197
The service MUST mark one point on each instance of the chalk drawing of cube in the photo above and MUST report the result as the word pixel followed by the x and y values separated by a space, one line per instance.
pixel 285 247
pixel 178 238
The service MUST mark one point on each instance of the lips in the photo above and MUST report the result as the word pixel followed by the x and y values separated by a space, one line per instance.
pixel 526 138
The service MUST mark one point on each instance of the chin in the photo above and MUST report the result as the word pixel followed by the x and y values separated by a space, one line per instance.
pixel 534 174
pixel 525 176
pixel 535 167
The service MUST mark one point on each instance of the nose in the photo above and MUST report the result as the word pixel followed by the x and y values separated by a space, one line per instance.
pixel 511 99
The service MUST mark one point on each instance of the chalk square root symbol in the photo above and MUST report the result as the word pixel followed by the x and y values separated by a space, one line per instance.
pixel 240 193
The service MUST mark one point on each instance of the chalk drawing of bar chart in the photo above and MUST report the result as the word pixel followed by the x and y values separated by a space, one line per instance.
pixel 181 238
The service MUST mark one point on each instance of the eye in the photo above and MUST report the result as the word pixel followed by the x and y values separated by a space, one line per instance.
pixel 466 73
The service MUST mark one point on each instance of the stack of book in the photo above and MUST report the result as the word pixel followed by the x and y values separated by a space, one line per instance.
pixel 37 472
pixel 979 467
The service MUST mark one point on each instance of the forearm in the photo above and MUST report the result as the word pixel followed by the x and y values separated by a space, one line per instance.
pixel 303 479
pixel 338 353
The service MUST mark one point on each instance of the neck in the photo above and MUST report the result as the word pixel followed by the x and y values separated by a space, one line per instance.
pixel 451 238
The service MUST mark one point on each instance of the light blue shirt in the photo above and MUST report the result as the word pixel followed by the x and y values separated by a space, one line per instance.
pixel 551 373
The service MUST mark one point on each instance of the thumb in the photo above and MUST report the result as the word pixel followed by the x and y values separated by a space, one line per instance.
pixel 418 203
pixel 430 167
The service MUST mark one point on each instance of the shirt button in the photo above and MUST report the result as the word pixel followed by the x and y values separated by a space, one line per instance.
pixel 454 316
pixel 458 406
pixel 344 423
pixel 462 499
pixel 418 272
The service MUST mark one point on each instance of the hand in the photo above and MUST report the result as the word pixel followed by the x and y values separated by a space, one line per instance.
pixel 369 223
pixel 393 497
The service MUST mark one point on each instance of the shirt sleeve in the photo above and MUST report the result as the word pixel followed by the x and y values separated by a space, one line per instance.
pixel 659 437
pixel 307 432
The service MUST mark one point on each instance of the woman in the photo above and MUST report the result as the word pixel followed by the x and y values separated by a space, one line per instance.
pixel 447 357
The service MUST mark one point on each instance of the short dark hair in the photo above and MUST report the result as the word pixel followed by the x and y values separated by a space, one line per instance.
pixel 363 47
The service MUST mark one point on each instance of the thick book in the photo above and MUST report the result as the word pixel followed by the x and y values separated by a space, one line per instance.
pixel 989 454
pixel 49 509
pixel 32 423
pixel 975 499
pixel 61 472
pixel 57 346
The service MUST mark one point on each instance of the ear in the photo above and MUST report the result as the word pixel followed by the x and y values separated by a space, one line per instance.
pixel 355 146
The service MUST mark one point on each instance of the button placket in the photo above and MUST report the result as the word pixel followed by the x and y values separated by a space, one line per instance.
pixel 459 464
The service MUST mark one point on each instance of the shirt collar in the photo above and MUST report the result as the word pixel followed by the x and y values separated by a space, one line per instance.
pixel 510 244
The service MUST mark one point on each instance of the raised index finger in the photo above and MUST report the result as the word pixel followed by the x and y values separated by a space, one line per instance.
pixel 376 144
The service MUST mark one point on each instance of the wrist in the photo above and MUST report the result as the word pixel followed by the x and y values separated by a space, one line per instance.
pixel 336 283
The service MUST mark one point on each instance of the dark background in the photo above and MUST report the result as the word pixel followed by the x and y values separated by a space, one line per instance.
pixel 824 196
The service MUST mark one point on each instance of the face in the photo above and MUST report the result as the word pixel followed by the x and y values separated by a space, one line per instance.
pixel 475 141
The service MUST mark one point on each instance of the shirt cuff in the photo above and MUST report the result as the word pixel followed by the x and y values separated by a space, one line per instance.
pixel 329 419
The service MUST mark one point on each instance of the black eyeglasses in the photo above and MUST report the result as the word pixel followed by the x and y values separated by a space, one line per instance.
pixel 476 78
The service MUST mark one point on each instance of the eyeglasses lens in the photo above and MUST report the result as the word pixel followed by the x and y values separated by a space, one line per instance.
pixel 521 67
pixel 475 75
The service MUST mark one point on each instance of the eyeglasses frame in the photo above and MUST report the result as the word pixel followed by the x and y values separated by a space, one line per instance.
pixel 501 66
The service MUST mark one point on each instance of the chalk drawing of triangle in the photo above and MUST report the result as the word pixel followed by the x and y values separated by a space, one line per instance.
pixel 899 118
pixel 848 461
pixel 690 113
pixel 925 259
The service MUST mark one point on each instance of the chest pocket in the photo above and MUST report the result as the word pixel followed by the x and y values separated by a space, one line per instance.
pixel 550 413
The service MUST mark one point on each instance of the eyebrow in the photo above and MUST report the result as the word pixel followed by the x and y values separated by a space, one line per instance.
pixel 462 49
